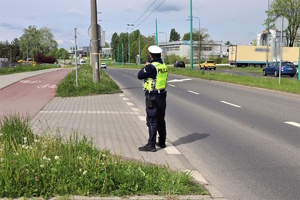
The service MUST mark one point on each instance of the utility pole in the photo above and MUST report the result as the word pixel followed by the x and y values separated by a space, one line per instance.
pixel 166 48
pixel 140 47
pixel 267 42
pixel 191 32
pixel 76 56
pixel 95 49
pixel 156 32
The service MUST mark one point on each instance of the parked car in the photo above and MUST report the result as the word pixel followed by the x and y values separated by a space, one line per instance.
pixel 103 65
pixel 12 65
pixel 179 63
pixel 287 68
pixel 208 64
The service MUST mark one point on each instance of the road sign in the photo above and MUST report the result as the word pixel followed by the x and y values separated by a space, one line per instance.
pixel 281 23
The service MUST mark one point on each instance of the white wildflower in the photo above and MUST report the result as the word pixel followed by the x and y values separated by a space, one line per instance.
pixel 1 159
pixel 80 170
pixel 56 157
pixel 79 158
pixel 84 172
pixel 41 166
pixel 1 134
pixel 44 158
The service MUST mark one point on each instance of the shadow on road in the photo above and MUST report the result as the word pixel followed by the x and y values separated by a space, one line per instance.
pixel 190 138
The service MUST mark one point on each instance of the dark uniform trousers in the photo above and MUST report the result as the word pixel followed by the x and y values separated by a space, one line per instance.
pixel 156 110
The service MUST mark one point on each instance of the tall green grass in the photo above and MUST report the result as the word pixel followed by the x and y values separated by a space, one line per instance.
pixel 46 166
pixel 86 86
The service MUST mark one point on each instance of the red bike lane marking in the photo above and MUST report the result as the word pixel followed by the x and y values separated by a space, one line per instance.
pixel 25 98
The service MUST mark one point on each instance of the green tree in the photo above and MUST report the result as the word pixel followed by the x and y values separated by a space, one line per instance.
pixel 204 40
pixel 174 36
pixel 62 54
pixel 34 41
pixel 114 45
pixel 289 9
pixel 228 43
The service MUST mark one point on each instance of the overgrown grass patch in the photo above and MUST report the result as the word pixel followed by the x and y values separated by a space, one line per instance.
pixel 46 166
pixel 86 86
pixel 25 68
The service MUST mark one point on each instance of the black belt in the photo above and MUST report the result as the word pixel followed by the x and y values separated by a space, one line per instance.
pixel 157 91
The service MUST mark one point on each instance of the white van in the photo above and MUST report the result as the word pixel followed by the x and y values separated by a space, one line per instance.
pixel 82 62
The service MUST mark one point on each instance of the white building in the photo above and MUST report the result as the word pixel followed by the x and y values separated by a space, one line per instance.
pixel 183 49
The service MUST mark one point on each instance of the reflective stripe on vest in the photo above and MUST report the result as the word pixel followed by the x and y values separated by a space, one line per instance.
pixel 160 81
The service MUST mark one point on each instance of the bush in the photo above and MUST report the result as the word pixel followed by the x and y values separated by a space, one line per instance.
pixel 40 58
pixel 173 58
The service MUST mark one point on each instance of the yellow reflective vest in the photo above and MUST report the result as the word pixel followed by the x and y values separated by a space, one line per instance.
pixel 160 82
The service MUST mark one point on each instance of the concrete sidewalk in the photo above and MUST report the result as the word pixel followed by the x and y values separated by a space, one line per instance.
pixel 114 123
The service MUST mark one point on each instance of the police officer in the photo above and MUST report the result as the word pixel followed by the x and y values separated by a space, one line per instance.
pixel 155 75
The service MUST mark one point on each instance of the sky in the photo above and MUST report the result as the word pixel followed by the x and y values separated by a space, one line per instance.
pixel 237 21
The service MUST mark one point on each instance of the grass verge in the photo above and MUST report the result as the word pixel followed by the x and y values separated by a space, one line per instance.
pixel 45 166
pixel 25 68
pixel 67 87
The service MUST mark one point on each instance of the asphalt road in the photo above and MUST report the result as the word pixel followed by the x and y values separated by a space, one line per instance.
pixel 244 141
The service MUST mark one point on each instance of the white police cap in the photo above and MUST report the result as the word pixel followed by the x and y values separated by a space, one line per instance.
pixel 154 49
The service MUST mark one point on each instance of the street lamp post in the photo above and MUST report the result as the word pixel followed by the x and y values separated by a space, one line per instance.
pixel 129 42
pixel 191 32
pixel 299 60
pixel 166 46
pixel 199 56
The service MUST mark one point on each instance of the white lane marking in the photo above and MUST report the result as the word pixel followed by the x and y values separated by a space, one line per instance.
pixel 172 85
pixel 142 118
pixel 135 109
pixel 122 95
pixel 130 104
pixel 231 104
pixel 171 150
pixel 193 92
pixel 179 80
pixel 87 112
pixel 293 124
pixel 125 99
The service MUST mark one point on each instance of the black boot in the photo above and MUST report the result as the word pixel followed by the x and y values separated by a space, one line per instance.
pixel 161 145
pixel 148 147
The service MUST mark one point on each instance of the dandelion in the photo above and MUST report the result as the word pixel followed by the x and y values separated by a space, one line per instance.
pixel 79 158
pixel 56 157
pixel 84 172
pixel 162 179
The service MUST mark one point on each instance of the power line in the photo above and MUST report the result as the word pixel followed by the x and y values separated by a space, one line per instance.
pixel 150 13
pixel 144 12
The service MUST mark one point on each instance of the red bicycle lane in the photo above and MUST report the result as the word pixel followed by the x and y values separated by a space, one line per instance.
pixel 30 95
